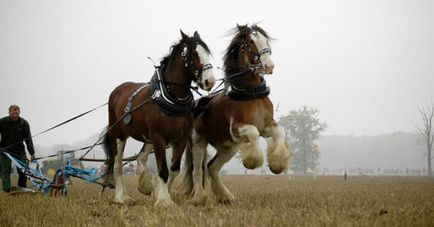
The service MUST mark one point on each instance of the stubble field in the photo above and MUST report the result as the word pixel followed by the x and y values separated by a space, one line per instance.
pixel 260 201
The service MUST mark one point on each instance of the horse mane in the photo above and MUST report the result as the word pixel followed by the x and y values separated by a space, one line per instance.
pixel 172 54
pixel 192 42
pixel 230 59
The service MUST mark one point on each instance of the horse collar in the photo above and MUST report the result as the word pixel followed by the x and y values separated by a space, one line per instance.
pixel 248 93
pixel 167 102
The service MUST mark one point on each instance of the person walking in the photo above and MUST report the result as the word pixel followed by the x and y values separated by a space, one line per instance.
pixel 14 131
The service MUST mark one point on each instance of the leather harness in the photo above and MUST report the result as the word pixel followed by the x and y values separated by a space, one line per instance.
pixel 248 93
pixel 166 101
pixel 169 103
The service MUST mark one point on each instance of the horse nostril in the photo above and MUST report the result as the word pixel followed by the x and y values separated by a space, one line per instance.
pixel 208 84
pixel 269 68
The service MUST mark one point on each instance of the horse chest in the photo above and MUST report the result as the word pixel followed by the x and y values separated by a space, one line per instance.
pixel 224 113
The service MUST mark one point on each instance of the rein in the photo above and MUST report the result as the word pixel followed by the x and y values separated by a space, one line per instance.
pixel 65 152
pixel 69 120
pixel 114 124
pixel 230 78
pixel 196 76
pixel 194 88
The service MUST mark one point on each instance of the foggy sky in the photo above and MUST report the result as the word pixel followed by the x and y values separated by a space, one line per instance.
pixel 366 65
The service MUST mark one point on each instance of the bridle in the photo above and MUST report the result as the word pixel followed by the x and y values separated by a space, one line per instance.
pixel 257 58
pixel 197 74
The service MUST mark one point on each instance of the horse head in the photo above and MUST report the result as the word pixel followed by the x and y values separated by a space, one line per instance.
pixel 195 58
pixel 249 49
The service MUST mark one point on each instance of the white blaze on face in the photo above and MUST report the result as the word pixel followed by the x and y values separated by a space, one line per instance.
pixel 261 44
pixel 208 78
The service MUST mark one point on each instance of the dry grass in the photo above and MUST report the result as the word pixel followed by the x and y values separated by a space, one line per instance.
pixel 261 201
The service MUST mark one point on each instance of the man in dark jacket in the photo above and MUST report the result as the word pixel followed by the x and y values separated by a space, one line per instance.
pixel 14 130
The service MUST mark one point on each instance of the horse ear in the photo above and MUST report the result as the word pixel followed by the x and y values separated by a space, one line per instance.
pixel 184 36
pixel 242 27
pixel 196 34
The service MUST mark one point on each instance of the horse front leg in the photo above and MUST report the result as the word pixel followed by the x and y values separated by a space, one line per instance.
pixel 223 155
pixel 161 188
pixel 279 152
pixel 121 193
pixel 145 179
pixel 248 137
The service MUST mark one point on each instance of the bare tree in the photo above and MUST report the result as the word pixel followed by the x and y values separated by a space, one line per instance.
pixel 427 131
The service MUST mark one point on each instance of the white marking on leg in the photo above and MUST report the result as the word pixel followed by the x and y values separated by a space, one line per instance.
pixel 198 152
pixel 279 152
pixel 120 194
pixel 162 195
pixel 145 179
pixel 220 191
pixel 250 151
pixel 172 177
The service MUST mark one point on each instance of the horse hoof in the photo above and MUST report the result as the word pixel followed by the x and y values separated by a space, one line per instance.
pixel 277 166
pixel 252 163
pixel 225 201
pixel 277 169
pixel 145 190
pixel 164 203
pixel 201 201
pixel 124 200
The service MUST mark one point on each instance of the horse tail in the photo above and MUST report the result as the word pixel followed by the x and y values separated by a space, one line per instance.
pixel 110 161
pixel 109 145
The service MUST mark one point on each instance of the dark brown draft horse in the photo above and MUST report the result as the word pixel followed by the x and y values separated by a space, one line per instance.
pixel 159 114
pixel 234 119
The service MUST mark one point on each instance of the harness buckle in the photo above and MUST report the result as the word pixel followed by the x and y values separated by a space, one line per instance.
pixel 156 94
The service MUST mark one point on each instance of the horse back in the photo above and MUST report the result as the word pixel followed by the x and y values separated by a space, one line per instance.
pixel 148 120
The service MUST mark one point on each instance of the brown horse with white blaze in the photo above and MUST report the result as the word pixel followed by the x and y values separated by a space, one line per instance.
pixel 234 119
pixel 160 113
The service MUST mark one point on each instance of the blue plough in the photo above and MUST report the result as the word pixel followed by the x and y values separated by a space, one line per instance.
pixel 38 180
pixel 89 175
pixel 61 178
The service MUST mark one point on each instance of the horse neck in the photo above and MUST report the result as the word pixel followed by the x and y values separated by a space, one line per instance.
pixel 175 73
pixel 249 79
